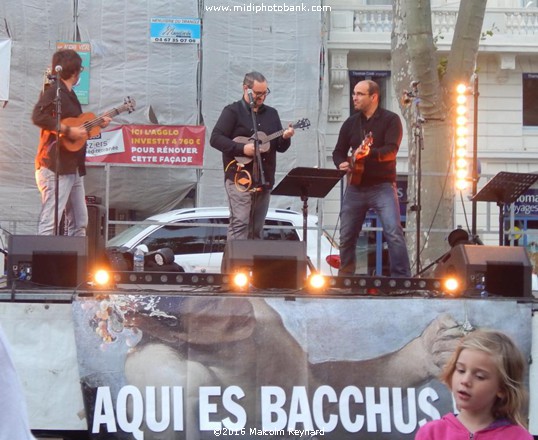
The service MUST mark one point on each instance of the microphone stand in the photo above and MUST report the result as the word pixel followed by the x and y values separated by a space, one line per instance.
pixel 58 150
pixel 418 135
pixel 257 169
pixel 258 175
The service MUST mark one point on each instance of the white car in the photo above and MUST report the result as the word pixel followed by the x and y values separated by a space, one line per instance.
pixel 197 237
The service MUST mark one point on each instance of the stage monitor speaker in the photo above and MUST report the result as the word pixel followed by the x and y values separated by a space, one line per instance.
pixel 499 270
pixel 47 261
pixel 277 264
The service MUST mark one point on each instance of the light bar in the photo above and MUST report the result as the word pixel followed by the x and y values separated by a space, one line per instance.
pixel 356 282
pixel 386 284
pixel 171 278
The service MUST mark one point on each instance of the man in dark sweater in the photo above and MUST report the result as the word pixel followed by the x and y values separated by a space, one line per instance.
pixel 248 186
pixel 374 134
pixel 70 165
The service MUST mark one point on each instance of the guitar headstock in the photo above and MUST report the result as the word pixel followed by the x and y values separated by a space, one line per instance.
pixel 302 123
pixel 129 104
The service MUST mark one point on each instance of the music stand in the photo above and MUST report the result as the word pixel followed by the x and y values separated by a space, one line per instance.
pixel 504 189
pixel 306 182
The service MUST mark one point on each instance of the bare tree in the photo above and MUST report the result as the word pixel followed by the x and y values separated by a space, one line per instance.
pixel 430 116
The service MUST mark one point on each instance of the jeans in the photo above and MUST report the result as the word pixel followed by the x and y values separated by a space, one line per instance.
pixel 384 200
pixel 247 212
pixel 71 198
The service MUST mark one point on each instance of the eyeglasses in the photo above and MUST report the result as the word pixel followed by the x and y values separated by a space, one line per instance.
pixel 262 94
pixel 361 94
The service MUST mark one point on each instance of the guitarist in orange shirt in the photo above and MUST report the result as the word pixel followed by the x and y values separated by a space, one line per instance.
pixel 59 165
pixel 373 134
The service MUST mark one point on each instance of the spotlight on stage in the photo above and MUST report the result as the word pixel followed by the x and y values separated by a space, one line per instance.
pixel 240 280
pixel 452 286
pixel 458 236
pixel 102 278
pixel 316 282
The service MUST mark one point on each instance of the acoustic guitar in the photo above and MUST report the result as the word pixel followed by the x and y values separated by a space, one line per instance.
pixel 356 160
pixel 265 140
pixel 92 123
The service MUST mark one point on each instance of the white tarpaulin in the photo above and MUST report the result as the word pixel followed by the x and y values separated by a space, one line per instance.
pixel 5 63
pixel 285 46
pixel 163 78
pixel 173 84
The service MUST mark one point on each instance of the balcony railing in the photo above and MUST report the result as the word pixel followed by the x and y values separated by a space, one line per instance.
pixel 504 24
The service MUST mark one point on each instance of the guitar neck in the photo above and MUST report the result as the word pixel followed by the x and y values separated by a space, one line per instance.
pixel 97 121
pixel 274 135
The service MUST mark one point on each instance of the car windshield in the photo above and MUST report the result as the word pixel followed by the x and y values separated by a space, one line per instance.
pixel 126 235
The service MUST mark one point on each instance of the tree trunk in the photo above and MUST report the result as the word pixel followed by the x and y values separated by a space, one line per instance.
pixel 429 118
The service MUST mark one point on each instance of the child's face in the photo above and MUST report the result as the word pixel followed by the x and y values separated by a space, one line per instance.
pixel 475 382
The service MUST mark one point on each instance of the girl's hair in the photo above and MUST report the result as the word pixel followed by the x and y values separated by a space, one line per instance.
pixel 510 365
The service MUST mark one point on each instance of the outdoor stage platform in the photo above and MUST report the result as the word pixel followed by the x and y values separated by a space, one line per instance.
pixel 190 361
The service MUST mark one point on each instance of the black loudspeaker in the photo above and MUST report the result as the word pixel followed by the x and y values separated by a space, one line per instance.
pixel 96 236
pixel 275 264
pixel 499 270
pixel 47 260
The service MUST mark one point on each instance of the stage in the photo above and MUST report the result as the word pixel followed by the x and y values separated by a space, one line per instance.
pixel 189 362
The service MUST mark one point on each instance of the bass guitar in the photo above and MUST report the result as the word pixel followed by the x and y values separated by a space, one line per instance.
pixel 266 139
pixel 92 123
pixel 356 160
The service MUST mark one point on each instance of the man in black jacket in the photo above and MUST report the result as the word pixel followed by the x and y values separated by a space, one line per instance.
pixel 70 165
pixel 372 175
pixel 248 191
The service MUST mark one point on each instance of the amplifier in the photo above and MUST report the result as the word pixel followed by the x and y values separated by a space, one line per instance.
pixel 47 260
pixel 499 270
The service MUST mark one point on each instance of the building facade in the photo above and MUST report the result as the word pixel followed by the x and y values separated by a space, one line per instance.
pixel 505 97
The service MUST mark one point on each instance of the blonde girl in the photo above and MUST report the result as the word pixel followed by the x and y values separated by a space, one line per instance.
pixel 485 375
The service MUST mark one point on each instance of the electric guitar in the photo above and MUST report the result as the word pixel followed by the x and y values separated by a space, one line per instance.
pixel 266 139
pixel 92 123
pixel 356 160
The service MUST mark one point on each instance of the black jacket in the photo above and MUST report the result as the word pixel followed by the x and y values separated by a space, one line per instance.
pixel 386 129
pixel 236 120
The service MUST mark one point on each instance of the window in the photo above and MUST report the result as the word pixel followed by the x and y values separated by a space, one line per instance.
pixel 380 77
pixel 530 99
pixel 193 238
pixel 189 238
pixel 276 233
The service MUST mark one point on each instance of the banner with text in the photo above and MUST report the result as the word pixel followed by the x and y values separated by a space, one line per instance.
pixel 196 367
pixel 150 145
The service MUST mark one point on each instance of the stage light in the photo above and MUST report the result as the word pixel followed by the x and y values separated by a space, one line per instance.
pixel 241 280
pixel 316 282
pixel 461 164
pixel 101 278
pixel 452 286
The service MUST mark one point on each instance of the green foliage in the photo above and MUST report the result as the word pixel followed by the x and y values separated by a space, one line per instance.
pixel 489 32
pixel 441 67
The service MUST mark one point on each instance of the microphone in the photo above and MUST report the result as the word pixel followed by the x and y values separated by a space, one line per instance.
pixel 58 69
pixel 250 97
